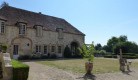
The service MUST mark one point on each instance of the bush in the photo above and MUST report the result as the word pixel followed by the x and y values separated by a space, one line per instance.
pixel 20 70
pixel 76 56
pixel 123 56
pixel 54 56
pixel 23 57
pixel 131 54
pixel 4 47
pixel 44 57
pixel 67 52
pixel 34 58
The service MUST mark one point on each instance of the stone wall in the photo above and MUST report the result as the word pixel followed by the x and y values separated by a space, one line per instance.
pixel 12 37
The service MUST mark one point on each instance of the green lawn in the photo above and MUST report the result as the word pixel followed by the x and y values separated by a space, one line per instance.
pixel 78 65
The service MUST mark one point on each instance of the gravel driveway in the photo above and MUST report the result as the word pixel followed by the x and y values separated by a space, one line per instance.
pixel 43 72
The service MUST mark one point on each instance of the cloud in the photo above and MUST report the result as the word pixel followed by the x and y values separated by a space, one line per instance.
pixel 118 25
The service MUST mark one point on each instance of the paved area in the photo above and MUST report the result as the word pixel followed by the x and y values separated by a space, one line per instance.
pixel 43 72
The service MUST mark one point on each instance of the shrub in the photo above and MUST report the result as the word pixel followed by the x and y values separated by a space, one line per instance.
pixel 20 70
pixel 23 57
pixel 123 56
pixel 44 57
pixel 131 54
pixel 77 56
pixel 54 56
pixel 67 52
pixel 35 58
pixel 4 47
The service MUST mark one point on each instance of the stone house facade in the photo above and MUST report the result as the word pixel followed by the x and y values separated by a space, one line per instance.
pixel 26 32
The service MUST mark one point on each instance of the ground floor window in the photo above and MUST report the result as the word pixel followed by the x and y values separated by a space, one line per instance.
pixel 53 49
pixel 45 50
pixel 38 48
pixel 59 49
pixel 0 48
pixel 15 50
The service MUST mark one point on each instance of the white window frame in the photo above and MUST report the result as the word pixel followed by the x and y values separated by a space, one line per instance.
pixel 60 51
pixel 21 27
pixel 39 31
pixel 60 33
pixel 16 47
pixel 38 49
pixel 45 53
pixel 1 27
pixel 53 49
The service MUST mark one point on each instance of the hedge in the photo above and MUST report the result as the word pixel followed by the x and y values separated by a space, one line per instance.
pixel 131 54
pixel 20 70
pixel 123 56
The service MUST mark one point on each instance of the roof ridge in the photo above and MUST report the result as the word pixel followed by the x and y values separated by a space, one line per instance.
pixel 32 12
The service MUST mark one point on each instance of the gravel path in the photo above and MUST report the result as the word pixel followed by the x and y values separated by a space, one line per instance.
pixel 43 72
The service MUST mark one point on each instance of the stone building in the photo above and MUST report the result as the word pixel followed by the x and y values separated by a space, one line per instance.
pixel 25 32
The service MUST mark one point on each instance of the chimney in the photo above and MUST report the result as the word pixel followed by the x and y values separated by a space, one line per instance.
pixel 39 12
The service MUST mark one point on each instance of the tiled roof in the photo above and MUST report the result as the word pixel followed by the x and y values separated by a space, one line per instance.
pixel 50 23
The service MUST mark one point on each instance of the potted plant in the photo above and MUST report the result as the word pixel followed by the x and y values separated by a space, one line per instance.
pixel 88 54
pixel 4 48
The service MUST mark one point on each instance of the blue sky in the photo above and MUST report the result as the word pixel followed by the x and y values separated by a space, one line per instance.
pixel 98 19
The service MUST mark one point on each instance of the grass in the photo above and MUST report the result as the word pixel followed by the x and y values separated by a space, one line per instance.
pixel 17 64
pixel 78 65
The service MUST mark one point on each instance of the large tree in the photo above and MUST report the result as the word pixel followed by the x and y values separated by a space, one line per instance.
pixel 4 4
pixel 98 46
pixel 114 41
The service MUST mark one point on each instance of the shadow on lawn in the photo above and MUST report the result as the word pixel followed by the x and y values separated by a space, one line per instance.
pixel 88 76
pixel 127 72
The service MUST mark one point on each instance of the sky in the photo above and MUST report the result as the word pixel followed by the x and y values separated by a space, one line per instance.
pixel 99 20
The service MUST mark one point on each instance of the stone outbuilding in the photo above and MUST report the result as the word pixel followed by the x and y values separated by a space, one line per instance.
pixel 26 32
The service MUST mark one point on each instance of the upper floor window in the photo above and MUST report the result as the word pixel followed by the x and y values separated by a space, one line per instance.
pixel 39 31
pixel 60 33
pixel 2 27
pixel 22 28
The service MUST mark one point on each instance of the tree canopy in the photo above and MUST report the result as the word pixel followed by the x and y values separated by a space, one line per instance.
pixel 4 4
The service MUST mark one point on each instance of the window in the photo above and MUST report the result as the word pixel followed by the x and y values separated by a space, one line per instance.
pixel 22 28
pixel 15 50
pixel 0 48
pixel 39 31
pixel 45 50
pixel 53 49
pixel 2 27
pixel 59 49
pixel 60 33
pixel 38 48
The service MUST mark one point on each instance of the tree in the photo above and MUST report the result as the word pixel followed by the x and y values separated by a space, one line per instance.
pixel 111 42
pixel 4 4
pixel 106 48
pixel 123 38
pixel 114 41
pixel 98 46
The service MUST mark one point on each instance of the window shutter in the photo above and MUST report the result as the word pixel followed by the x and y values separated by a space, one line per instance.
pixel 37 31
pixel 60 33
pixel 20 29
pixel 40 31
pixel 23 29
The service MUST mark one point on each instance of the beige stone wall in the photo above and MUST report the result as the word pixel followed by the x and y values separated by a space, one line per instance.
pixel 12 37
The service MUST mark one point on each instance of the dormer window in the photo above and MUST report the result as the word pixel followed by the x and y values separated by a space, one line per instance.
pixel 60 33
pixel 38 31
pixel 22 29
pixel 2 27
